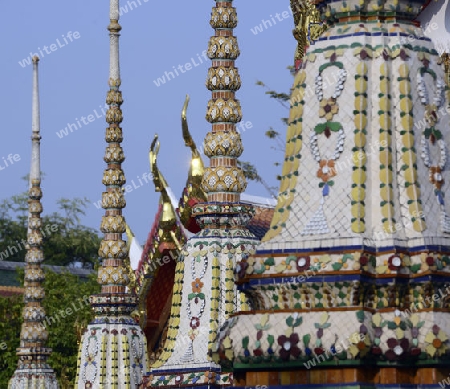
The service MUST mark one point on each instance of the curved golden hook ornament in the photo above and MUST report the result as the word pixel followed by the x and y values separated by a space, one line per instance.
pixel 160 183
pixel 188 140
pixel 158 178
pixel 197 166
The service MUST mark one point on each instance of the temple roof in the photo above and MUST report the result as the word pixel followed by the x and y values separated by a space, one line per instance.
pixel 8 291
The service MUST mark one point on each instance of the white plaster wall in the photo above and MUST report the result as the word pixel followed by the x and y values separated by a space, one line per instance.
pixel 437 12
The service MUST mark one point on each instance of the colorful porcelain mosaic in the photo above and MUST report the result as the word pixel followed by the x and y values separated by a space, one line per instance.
pixel 189 378
pixel 359 149
pixel 332 336
pixel 356 255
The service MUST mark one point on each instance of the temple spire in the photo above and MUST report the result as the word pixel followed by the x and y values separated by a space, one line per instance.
pixel 113 350
pixel 204 293
pixel 33 370
pixel 223 181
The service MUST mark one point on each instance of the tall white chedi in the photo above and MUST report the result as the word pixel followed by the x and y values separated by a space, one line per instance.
pixel 113 350
pixel 33 371
pixel 357 253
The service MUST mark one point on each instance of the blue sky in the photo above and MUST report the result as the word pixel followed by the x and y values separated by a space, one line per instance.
pixel 156 36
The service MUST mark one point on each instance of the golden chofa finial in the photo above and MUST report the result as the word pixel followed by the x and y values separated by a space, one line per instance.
pixel 188 140
pixel 158 179
pixel 197 168
pixel 168 213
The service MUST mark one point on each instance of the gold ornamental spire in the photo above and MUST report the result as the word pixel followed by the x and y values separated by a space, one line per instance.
pixel 33 370
pixel 113 250
pixel 120 360
pixel 223 181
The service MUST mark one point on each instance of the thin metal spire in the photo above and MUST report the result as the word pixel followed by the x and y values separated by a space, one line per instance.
pixel 33 370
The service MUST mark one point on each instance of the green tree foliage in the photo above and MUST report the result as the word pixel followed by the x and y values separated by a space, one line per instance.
pixel 65 239
pixel 11 314
pixel 68 313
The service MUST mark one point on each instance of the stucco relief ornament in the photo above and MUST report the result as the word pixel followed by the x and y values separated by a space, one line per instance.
pixel 327 169
pixel 91 350
pixel 197 301
pixel 432 136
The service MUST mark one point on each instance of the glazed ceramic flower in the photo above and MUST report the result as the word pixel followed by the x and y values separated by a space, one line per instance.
pixel 194 323
pixel 431 115
pixel 436 339
pixel 436 176
pixel 328 108
pixel 210 377
pixel 363 51
pixel 364 260
pixel 326 170
pixel 424 58
pixel 179 378
pixel 397 348
pixel 241 268
pixel 303 263
pixel 289 346
pixel 332 53
pixel 197 285
pixel 394 262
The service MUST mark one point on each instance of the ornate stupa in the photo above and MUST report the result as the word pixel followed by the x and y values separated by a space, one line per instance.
pixel 33 371
pixel 349 287
pixel 204 293
pixel 112 352
pixel 173 225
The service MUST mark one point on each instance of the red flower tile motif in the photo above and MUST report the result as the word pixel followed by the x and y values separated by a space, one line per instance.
pixel 363 260
pixel 397 348
pixel 289 346
pixel 194 323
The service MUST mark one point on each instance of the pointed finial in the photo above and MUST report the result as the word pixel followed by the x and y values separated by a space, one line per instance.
pixel 33 369
pixel 114 275
pixel 35 171
pixel 188 140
